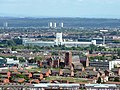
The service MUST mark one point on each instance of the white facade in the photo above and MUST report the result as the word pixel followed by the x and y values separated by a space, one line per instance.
pixel 61 25
pixel 50 25
pixel 58 41
pixel 12 61
pixel 113 63
pixel 55 25
pixel 5 25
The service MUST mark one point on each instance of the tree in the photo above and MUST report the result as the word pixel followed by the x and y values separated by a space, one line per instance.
pixel 116 79
pixel 38 58
pixel 99 80
pixel 21 59
pixel 10 43
pixel 119 52
pixel 18 41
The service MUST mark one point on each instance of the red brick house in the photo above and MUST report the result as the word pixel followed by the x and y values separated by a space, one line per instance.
pixel 4 80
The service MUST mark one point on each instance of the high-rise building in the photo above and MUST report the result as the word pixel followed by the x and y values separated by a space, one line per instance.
pixel 5 25
pixel 55 25
pixel 68 58
pixel 61 25
pixel 50 25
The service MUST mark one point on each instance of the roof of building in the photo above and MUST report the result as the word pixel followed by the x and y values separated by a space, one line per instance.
pixel 92 72
pixel 100 85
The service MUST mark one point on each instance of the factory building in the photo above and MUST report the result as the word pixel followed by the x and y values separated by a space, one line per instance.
pixel 57 41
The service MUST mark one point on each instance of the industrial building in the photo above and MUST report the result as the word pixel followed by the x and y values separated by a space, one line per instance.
pixel 57 41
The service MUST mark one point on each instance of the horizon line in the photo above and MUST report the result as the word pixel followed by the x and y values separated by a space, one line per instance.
pixel 56 17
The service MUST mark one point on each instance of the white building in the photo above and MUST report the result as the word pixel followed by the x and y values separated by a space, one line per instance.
pixel 12 61
pixel 5 25
pixel 57 41
pixel 113 63
pixel 50 25
pixel 61 25
pixel 55 25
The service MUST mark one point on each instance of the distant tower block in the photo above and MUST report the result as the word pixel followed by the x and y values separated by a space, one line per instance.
pixel 55 25
pixel 103 40
pixel 61 25
pixel 50 25
pixel 5 25
pixel 68 58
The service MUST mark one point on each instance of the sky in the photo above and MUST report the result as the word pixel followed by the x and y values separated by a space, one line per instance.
pixel 61 8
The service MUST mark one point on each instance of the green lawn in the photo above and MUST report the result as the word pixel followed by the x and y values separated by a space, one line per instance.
pixel 70 79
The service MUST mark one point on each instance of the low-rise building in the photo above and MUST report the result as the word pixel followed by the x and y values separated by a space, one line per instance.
pixel 104 64
pixel 101 87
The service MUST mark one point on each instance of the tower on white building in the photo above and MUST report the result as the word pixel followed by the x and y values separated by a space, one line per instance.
pixel 58 39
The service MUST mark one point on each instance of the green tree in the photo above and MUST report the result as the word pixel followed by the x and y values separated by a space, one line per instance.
pixel 18 41
pixel 10 43
pixel 116 79
pixel 38 58
pixel 14 48
pixel 119 52
pixel 21 59
pixel 99 80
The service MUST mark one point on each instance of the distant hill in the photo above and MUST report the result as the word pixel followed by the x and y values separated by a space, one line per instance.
pixel 68 22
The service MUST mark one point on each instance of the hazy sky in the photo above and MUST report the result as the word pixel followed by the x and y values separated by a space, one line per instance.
pixel 61 8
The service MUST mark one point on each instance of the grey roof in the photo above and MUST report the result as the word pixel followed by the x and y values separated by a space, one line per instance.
pixel 36 74
pixel 83 58
pixel 115 69
pixel 92 72
pixel 77 64
pixel 44 70
pixel 66 71
pixel 76 58
pixel 78 67
pixel 55 71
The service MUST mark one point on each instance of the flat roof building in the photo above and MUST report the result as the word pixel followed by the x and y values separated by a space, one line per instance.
pixel 104 64
pixel 101 87
pixel 57 41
